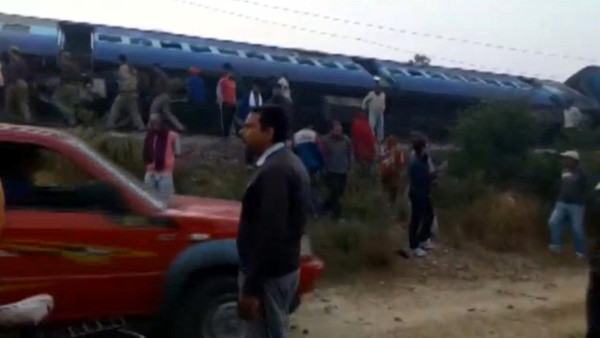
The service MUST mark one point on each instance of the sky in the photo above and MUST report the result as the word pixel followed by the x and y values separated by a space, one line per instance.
pixel 549 39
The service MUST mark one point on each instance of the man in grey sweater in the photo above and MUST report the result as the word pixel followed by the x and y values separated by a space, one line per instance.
pixel 274 214
pixel 337 154
pixel 570 206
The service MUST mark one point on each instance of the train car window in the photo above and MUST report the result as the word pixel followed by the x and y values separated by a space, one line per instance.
pixel 255 55
pixel 509 84
pixel 491 82
pixel 415 73
pixel 305 61
pixel 328 64
pixel 397 71
pixel 141 42
pixel 436 76
pixel 279 58
pixel 15 28
pixel 473 79
pixel 229 52
pixel 351 66
pixel 200 49
pixel 453 77
pixel 110 38
pixel 170 45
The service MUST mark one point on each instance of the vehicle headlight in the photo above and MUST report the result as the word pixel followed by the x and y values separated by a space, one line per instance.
pixel 305 246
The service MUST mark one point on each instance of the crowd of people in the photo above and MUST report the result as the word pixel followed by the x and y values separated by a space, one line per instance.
pixel 288 165
pixel 137 92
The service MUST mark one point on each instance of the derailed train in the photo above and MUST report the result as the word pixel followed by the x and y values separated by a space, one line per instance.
pixel 324 86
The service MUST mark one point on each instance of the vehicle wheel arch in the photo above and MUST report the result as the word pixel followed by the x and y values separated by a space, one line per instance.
pixel 198 262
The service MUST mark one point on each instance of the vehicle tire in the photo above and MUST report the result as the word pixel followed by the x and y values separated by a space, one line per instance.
pixel 210 310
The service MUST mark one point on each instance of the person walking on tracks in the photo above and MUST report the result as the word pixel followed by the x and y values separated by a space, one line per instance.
pixel 337 155
pixel 374 103
pixel 227 99
pixel 391 163
pixel 161 147
pixel 17 91
pixel 161 102
pixel 66 97
pixel 127 97
pixel 272 222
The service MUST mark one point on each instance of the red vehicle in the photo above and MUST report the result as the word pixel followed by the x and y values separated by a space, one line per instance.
pixel 105 247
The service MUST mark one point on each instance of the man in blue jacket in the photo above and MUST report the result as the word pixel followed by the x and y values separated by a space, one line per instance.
pixel 421 178
pixel 307 148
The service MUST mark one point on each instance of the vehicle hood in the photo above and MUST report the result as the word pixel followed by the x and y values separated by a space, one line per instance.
pixel 206 207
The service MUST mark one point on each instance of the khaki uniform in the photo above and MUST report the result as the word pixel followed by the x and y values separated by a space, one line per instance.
pixel 17 95
pixel 66 98
pixel 126 99
pixel 161 102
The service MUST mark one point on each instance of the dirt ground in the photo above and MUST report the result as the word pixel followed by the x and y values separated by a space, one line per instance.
pixel 552 305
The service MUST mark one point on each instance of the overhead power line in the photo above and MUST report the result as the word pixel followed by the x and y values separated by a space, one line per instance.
pixel 419 34
pixel 452 61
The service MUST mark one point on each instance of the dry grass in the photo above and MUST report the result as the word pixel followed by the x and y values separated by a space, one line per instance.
pixel 507 222
pixel 125 152
pixel 351 247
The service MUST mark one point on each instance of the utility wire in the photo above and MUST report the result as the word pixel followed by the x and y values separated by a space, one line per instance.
pixel 419 34
pixel 362 40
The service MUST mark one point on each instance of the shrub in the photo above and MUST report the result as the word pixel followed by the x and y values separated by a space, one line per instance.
pixel 214 182
pixel 352 246
pixel 540 176
pixel 494 139
pixel 124 151
pixel 365 201
pixel 584 137
pixel 456 191
pixel 498 221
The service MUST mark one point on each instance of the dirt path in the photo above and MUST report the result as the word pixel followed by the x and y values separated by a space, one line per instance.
pixel 551 306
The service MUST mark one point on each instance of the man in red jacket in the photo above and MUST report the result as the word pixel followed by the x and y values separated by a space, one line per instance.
pixel 363 142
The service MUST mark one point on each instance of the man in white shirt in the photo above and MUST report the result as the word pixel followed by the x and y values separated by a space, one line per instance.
pixel 284 84
pixel 374 104
pixel 572 115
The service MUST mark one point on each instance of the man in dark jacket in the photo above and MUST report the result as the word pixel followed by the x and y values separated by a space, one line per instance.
pixel 593 291
pixel 337 155
pixel 274 214
pixel 421 177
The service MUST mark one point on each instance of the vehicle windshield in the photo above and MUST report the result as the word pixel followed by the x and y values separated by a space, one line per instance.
pixel 122 175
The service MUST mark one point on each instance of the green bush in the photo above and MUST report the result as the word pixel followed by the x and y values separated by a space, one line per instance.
pixel 494 139
pixel 540 176
pixel 456 191
pixel 352 246
pixel 585 138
